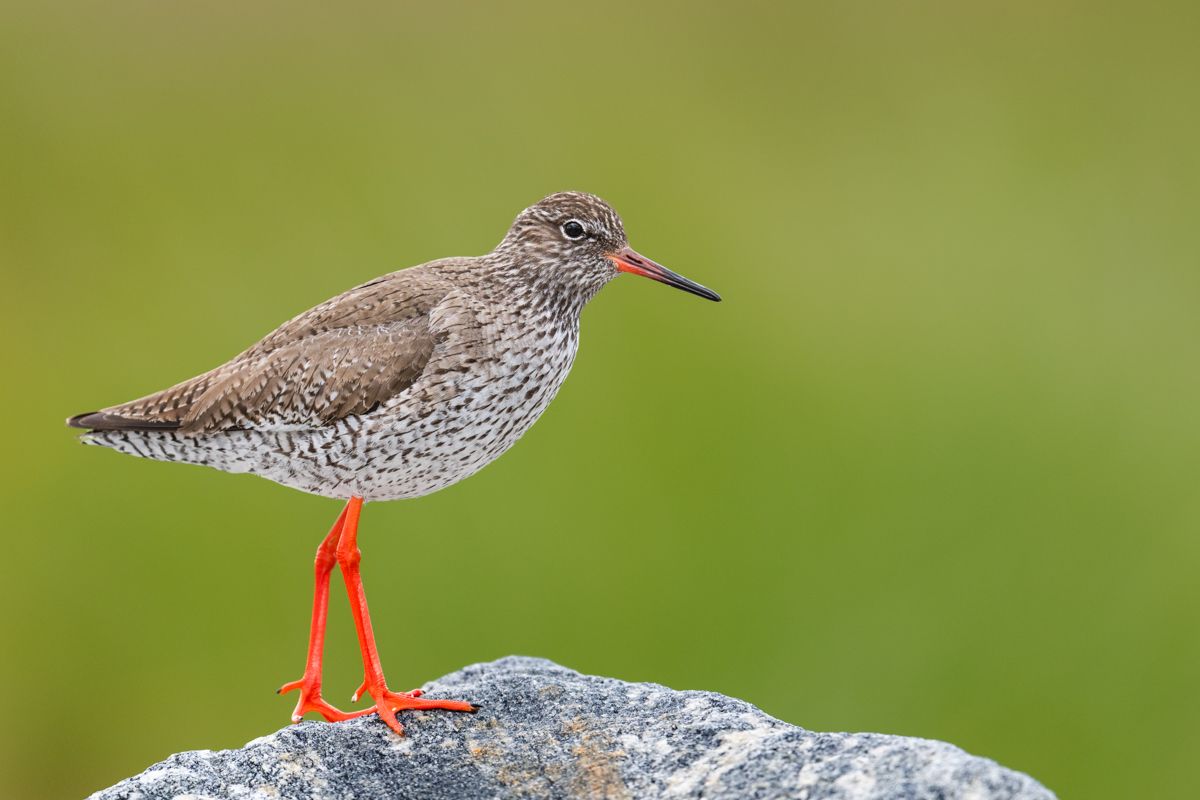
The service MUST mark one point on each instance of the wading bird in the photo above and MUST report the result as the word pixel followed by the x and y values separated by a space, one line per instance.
pixel 394 389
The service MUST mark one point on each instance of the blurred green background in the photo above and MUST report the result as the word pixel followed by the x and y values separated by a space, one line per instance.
pixel 930 468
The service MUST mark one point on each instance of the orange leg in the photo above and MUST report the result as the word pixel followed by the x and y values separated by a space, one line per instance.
pixel 387 702
pixel 310 684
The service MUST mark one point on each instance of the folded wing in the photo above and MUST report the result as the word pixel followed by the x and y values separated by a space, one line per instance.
pixel 344 357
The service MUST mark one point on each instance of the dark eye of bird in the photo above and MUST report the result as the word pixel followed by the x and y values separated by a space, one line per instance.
pixel 572 229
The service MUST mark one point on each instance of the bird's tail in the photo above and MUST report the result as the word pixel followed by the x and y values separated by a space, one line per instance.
pixel 105 421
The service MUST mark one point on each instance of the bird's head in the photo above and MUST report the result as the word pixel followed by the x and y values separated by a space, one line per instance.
pixel 575 242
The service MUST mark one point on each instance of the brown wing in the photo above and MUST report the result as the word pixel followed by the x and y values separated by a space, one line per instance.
pixel 342 357
pixel 316 380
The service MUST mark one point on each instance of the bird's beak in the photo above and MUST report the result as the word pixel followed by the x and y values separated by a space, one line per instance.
pixel 629 260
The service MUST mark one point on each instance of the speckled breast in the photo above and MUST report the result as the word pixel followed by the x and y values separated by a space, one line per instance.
pixel 473 404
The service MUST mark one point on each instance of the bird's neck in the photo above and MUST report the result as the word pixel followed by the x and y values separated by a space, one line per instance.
pixel 557 290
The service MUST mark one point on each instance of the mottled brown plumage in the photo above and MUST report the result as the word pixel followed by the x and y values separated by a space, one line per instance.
pixel 405 384
pixel 396 388
pixel 343 357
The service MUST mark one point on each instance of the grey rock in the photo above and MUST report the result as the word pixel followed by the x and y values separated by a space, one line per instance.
pixel 548 732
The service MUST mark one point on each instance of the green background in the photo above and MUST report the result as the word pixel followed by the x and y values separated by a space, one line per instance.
pixel 930 469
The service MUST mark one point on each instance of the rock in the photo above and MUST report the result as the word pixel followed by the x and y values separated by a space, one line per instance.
pixel 548 732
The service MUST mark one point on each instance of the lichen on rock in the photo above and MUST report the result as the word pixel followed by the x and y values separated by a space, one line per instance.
pixel 549 732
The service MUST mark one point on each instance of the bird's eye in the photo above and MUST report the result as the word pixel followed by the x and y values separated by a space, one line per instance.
pixel 573 229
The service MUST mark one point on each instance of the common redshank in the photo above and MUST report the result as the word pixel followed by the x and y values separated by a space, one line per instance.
pixel 394 389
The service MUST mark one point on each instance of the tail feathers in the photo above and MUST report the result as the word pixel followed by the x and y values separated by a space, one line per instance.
pixel 103 421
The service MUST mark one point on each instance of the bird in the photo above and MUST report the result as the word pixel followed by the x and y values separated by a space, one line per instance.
pixel 392 390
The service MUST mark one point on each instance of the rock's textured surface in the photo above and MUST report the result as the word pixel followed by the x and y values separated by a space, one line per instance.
pixel 548 732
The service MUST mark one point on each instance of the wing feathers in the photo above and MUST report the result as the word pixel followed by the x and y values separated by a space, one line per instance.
pixel 344 357
pixel 316 380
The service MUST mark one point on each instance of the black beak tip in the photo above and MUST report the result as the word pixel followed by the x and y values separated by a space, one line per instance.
pixel 701 291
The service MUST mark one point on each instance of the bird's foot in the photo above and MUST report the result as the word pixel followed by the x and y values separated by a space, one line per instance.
pixel 361 691
pixel 311 700
pixel 387 703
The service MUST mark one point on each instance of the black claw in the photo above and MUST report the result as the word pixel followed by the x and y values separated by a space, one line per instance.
pixel 475 707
